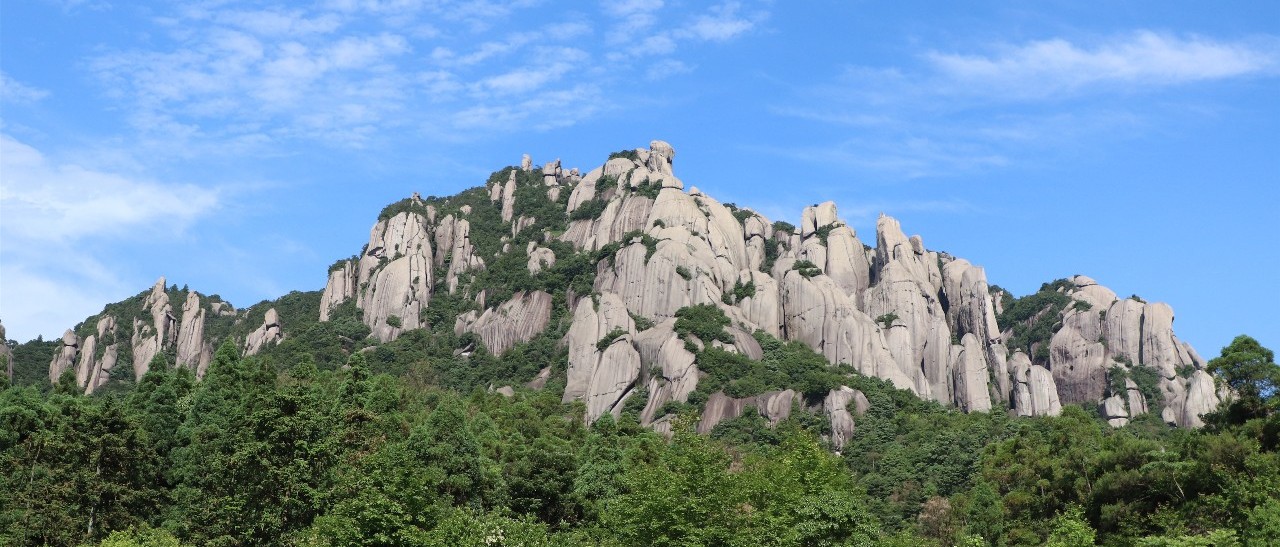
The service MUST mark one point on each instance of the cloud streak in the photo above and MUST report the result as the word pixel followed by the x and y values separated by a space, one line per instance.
pixel 1140 60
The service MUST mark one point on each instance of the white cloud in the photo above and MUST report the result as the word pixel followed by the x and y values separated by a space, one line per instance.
pixel 721 23
pixel 47 203
pixel 1142 59
pixel 13 91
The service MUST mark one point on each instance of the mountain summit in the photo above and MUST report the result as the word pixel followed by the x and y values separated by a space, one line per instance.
pixel 630 292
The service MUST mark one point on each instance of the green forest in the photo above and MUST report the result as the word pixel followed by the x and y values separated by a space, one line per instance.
pixel 263 454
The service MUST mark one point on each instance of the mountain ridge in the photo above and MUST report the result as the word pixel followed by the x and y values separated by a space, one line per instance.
pixel 513 262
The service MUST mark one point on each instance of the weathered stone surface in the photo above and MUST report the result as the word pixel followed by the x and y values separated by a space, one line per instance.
pixel 517 320
pixel 396 272
pixel 590 324
pixel 969 369
pixel 540 258
pixel 1137 401
pixel 682 271
pixel 773 405
pixel 65 357
pixel 149 339
pixel 763 309
pixel 661 157
pixel 1202 398
pixel 268 333
pixel 1078 361
pixel 836 407
pixel 340 287
pixel 1113 411
pixel 846 263
pixel 819 314
pixel 1124 330
pixel 509 198
pixel 526 163
pixel 1088 290
pixel 1035 393
pixel 672 374
pixel 6 354
pixel 193 352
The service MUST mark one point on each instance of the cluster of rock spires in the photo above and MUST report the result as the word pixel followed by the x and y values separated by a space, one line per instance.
pixel 155 330
pixel 921 319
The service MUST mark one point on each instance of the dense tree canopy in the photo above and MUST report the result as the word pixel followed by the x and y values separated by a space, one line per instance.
pixel 258 454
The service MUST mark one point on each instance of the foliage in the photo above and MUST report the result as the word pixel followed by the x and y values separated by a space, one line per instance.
pixel 704 321
pixel 628 154
pixel 806 268
pixel 1034 318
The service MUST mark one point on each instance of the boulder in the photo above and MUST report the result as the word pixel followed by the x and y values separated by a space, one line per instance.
pixel 1113 411
pixel 836 407
pixel 268 333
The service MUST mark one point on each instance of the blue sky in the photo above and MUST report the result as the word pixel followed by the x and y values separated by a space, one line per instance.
pixel 242 147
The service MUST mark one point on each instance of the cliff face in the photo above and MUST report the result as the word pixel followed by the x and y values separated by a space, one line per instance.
pixel 921 319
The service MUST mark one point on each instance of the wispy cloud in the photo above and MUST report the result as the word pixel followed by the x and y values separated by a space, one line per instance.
pixel 60 203
pixel 958 113
pixel 346 71
pixel 1143 59
pixel 15 92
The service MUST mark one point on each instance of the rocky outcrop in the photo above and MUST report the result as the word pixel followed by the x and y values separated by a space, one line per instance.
pixel 836 407
pixel 270 332
pixel 6 354
pixel 672 374
pixel 396 274
pixel 193 351
pixel 515 321
pixel 340 287
pixel 1113 411
pixel 151 337
pixel 540 258
pixel 1035 393
pixel 775 406
pixel 601 372
pixel 65 357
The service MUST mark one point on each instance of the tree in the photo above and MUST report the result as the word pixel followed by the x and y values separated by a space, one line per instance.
pixel 1251 371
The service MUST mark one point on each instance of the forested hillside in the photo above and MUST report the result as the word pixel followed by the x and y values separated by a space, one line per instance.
pixel 252 455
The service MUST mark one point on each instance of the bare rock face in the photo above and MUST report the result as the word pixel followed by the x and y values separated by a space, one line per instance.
pixel 99 368
pixel 193 351
pixel 682 271
pixel 6 354
pixel 819 314
pixel 773 405
pixel 1201 399
pixel 149 339
pixel 268 333
pixel 836 407
pixel 65 357
pixel 526 162
pixel 601 377
pixel 517 320
pixel 396 274
pixel 540 258
pixel 969 369
pixel 1137 401
pixel 1035 393
pixel 340 288
pixel 509 198
pixel 672 375
pixel 1113 411
pixel 1078 361
pixel 764 308
pixel 661 156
